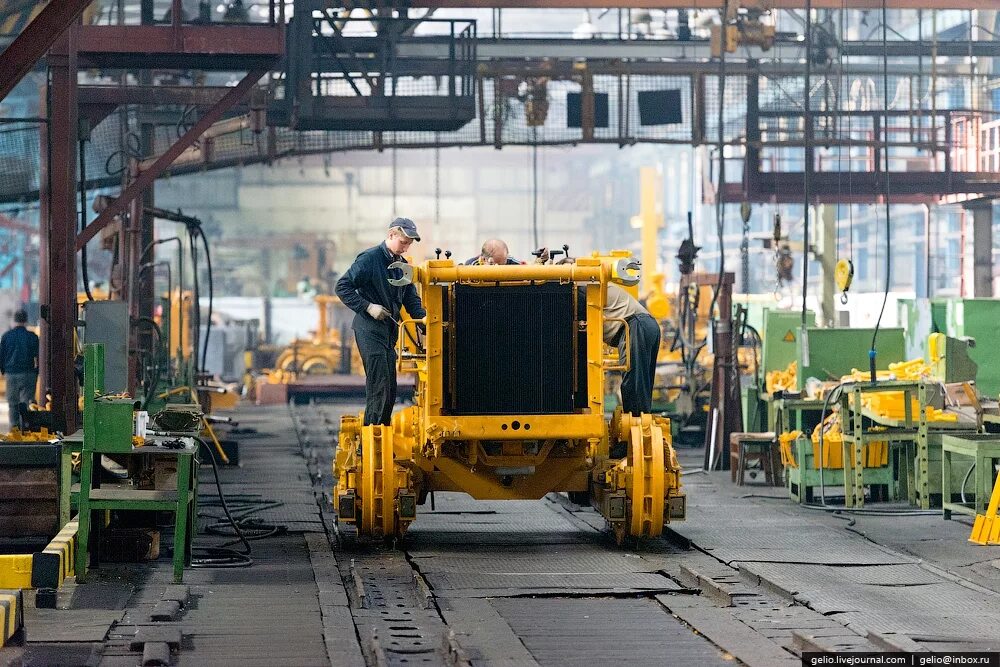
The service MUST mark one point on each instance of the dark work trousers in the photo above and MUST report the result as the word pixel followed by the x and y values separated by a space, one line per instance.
pixel 637 383
pixel 378 356
pixel 20 389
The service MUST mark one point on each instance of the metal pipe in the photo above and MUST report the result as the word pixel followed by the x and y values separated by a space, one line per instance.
pixel 587 273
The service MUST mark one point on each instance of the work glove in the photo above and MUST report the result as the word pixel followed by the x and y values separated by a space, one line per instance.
pixel 377 312
pixel 541 255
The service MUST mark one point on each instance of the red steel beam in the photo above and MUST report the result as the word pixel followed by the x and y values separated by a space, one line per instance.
pixel 685 4
pixel 18 58
pixel 147 177
pixel 61 225
pixel 214 47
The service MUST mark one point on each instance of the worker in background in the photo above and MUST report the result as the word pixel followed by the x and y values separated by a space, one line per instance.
pixel 644 335
pixel 365 289
pixel 19 364
pixel 304 289
pixel 494 252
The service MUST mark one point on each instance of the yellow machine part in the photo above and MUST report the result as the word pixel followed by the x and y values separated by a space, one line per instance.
pixel 873 454
pixel 843 274
pixel 785 380
pixel 382 471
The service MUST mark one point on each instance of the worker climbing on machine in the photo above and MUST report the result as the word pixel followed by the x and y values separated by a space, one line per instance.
pixel 19 364
pixel 493 252
pixel 644 344
pixel 365 289
pixel 644 338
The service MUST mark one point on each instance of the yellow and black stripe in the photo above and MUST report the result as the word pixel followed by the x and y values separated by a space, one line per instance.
pixel 51 566
pixel 15 570
pixel 11 618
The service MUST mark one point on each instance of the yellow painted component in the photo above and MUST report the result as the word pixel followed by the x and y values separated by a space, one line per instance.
pixel 645 490
pixel 380 481
pixel 17 435
pixel 181 317
pixel 9 614
pixel 874 454
pixel 986 528
pixel 15 571
pixel 651 217
pixel 936 347
pixel 785 380
pixel 843 274
pixel 657 301
pixel 785 441
pixel 381 469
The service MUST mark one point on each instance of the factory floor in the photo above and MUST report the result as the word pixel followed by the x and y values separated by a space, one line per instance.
pixel 749 578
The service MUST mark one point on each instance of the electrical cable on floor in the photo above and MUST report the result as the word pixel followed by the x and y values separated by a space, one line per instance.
pixel 836 509
pixel 222 556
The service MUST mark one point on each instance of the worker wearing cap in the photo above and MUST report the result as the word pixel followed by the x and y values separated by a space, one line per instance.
pixel 365 289
pixel 19 363
pixel 644 338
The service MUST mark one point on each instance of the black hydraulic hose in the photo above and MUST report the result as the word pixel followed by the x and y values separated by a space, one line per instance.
pixel 196 302
pixel 155 380
pixel 211 293
pixel 222 557
pixel 83 220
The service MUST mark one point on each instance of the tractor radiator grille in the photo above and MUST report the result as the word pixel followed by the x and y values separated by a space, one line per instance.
pixel 513 350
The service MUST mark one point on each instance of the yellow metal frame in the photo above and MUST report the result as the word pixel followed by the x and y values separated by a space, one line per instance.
pixel 382 471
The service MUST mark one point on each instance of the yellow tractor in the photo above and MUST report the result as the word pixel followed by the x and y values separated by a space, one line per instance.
pixel 509 404
pixel 322 354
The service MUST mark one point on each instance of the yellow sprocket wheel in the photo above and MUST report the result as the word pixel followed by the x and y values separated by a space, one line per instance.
pixel 378 483
pixel 645 490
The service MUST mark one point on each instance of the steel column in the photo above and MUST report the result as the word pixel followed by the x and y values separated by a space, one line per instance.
pixel 18 58
pixel 982 247
pixel 148 176
pixel 62 222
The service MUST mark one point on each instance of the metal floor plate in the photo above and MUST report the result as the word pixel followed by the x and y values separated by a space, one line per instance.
pixel 635 632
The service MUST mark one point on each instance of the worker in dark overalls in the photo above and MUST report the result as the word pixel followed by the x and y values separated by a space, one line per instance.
pixel 644 340
pixel 365 289
pixel 19 364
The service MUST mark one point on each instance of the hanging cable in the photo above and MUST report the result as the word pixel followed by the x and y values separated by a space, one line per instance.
pixel 808 162
pixel 195 302
pixel 85 273
pixel 211 293
pixel 885 187
pixel 534 186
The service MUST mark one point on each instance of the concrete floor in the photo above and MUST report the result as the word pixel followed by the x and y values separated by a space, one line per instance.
pixel 749 577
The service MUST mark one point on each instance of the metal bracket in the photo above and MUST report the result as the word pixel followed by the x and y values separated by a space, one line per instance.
pixel 622 275
pixel 406 279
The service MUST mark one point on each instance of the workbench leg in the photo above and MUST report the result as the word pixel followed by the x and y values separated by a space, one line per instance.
pixel 83 529
pixel 181 519
pixel 911 477
pixel 65 484
pixel 923 454
pixel 946 483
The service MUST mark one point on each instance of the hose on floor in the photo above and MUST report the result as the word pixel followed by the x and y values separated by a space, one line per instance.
pixel 222 556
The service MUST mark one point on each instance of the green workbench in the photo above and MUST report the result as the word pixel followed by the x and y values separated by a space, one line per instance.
pixel 803 480
pixel 984 450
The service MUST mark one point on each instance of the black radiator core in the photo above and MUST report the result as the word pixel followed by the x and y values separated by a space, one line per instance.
pixel 513 349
